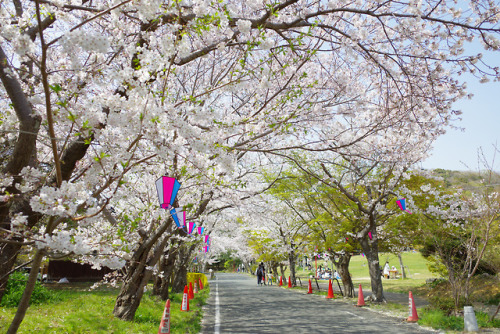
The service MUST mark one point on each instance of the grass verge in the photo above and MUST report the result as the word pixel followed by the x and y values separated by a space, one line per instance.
pixel 82 311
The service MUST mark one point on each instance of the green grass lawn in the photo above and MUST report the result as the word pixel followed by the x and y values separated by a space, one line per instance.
pixel 417 265
pixel 81 311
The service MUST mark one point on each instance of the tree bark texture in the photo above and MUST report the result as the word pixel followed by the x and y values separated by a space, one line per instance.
pixel 342 266
pixel 291 259
pixel 403 272
pixel 370 248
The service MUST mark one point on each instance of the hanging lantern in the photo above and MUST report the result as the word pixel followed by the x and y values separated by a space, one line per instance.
pixel 207 239
pixel 200 230
pixel 191 227
pixel 179 217
pixel 167 188
pixel 402 204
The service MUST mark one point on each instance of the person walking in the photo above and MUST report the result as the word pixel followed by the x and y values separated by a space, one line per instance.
pixel 260 273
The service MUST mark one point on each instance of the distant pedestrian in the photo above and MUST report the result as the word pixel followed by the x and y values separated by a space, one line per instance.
pixel 260 273
pixel 387 269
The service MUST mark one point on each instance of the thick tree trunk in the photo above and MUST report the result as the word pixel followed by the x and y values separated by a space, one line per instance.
pixel 138 276
pixel 130 295
pixel 370 248
pixel 342 266
pixel 162 284
pixel 282 271
pixel 180 277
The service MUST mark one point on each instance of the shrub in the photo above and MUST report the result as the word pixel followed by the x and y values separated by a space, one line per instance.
pixel 445 304
pixel 15 288
pixel 437 319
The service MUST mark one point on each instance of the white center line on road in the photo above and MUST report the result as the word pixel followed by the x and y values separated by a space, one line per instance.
pixel 217 310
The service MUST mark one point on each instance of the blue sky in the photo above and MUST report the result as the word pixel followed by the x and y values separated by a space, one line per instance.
pixel 458 150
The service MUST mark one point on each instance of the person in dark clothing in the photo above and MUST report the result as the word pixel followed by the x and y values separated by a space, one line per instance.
pixel 260 273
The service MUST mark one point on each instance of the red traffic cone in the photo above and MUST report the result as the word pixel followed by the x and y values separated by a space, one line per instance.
pixel 310 289
pixel 330 290
pixel 412 310
pixel 201 284
pixel 165 320
pixel 361 299
pixel 195 288
pixel 281 281
pixel 190 291
pixel 289 282
pixel 185 300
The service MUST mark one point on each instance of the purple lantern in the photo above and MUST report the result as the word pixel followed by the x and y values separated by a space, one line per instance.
pixel 167 188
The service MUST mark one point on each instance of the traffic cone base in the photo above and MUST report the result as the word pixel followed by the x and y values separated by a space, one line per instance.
pixel 165 320
pixel 412 310
pixel 361 299
pixel 310 289
pixel 330 290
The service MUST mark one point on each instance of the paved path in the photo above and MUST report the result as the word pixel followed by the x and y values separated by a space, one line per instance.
pixel 238 305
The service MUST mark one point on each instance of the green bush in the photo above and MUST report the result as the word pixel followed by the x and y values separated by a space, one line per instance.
pixel 439 320
pixel 483 320
pixel 445 304
pixel 15 288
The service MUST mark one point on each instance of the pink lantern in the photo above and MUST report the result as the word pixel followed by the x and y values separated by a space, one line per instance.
pixel 167 188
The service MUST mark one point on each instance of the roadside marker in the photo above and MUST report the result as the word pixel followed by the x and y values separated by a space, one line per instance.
pixel 310 289
pixel 330 290
pixel 185 300
pixel 165 320
pixel 412 310
pixel 361 299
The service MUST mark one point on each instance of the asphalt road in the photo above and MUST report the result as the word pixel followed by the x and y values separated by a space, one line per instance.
pixel 238 305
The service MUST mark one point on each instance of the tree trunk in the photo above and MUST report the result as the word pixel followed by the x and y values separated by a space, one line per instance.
pixel 370 248
pixel 162 284
pixel 180 278
pixel 131 293
pixel 403 272
pixel 282 270
pixel 342 266
pixel 25 299
pixel 137 277
pixel 291 259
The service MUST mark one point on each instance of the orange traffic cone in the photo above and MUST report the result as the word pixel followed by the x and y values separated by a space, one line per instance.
pixel 201 284
pixel 195 288
pixel 190 291
pixel 412 310
pixel 165 320
pixel 281 281
pixel 289 282
pixel 330 290
pixel 361 299
pixel 185 300
pixel 310 290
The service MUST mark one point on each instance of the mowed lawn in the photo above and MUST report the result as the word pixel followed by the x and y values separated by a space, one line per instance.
pixel 81 311
pixel 416 275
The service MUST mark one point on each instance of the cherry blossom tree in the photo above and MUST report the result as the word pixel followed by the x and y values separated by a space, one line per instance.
pixel 95 92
